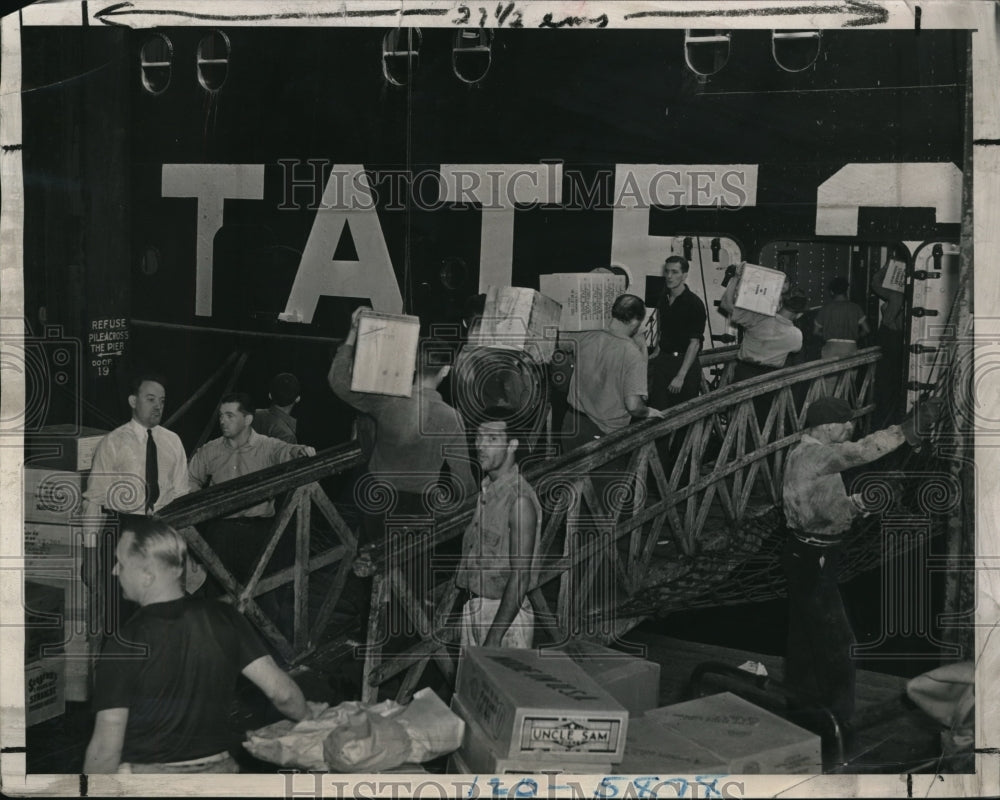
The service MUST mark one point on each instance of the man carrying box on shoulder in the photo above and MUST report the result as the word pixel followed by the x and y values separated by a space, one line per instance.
pixel 500 547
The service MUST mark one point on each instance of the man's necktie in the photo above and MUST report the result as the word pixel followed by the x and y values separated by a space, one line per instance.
pixel 152 472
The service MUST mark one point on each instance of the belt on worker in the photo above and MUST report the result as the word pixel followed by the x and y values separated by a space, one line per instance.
pixel 758 364
pixel 204 761
pixel 675 354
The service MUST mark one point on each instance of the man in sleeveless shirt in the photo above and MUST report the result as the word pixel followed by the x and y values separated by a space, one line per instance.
pixel 500 546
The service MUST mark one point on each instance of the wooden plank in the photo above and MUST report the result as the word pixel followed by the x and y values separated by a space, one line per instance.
pixel 277 528
pixel 303 520
pixel 250 609
pixel 376 636
pixel 287 575
pixel 331 515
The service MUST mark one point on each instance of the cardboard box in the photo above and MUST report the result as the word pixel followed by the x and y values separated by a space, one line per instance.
pixel 721 733
pixel 44 619
pixel 586 298
pixel 471 759
pixel 760 289
pixel 515 318
pixel 63 447
pixel 44 690
pixel 481 754
pixel 532 704
pixel 633 682
pixel 53 496
pixel 385 356
pixel 60 571
pixel 895 277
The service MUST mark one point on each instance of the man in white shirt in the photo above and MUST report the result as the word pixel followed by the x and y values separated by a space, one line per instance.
pixel 138 468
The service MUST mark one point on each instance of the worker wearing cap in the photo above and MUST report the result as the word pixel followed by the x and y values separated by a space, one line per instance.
pixel 277 420
pixel 818 514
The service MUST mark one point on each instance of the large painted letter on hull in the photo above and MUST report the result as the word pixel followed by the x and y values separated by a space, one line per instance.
pixel 936 185
pixel 641 186
pixel 211 185
pixel 497 188
pixel 347 200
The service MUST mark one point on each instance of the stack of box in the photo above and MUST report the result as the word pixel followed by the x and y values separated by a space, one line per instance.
pixel 534 711
pixel 59 460
pixel 719 734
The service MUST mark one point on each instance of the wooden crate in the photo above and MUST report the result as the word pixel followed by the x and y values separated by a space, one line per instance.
pixel 532 702
pixel 760 289
pixel 586 298
pixel 385 356
pixel 721 733
pixel 515 318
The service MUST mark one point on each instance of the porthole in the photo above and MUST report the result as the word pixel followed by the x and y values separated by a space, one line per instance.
pixel 155 60
pixel 706 52
pixel 795 51
pixel 472 54
pixel 213 60
pixel 401 55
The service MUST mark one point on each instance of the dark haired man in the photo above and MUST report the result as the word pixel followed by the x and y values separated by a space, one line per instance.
pixel 608 387
pixel 277 421
pixel 674 374
pixel 414 436
pixel 840 323
pixel 138 468
pixel 500 547
pixel 767 341
pixel 240 450
pixel 167 711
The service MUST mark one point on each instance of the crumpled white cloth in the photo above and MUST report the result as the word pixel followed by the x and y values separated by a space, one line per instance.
pixel 352 737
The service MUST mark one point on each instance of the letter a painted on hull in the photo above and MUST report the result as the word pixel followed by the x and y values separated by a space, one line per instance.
pixel 347 200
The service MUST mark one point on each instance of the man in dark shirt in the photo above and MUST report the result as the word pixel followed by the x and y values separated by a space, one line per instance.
pixel 674 374
pixel 277 421
pixel 168 710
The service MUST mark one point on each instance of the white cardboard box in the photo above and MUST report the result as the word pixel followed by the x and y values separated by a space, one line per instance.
pixel 516 318
pixel 719 733
pixel 634 682
pixel 532 702
pixel 385 355
pixel 63 447
pixel 760 289
pixel 485 755
pixel 44 690
pixel 54 496
pixel 586 298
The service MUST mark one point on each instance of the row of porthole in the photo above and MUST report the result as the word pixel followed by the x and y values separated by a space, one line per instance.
pixel 471 58
pixel 705 53
pixel 156 59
